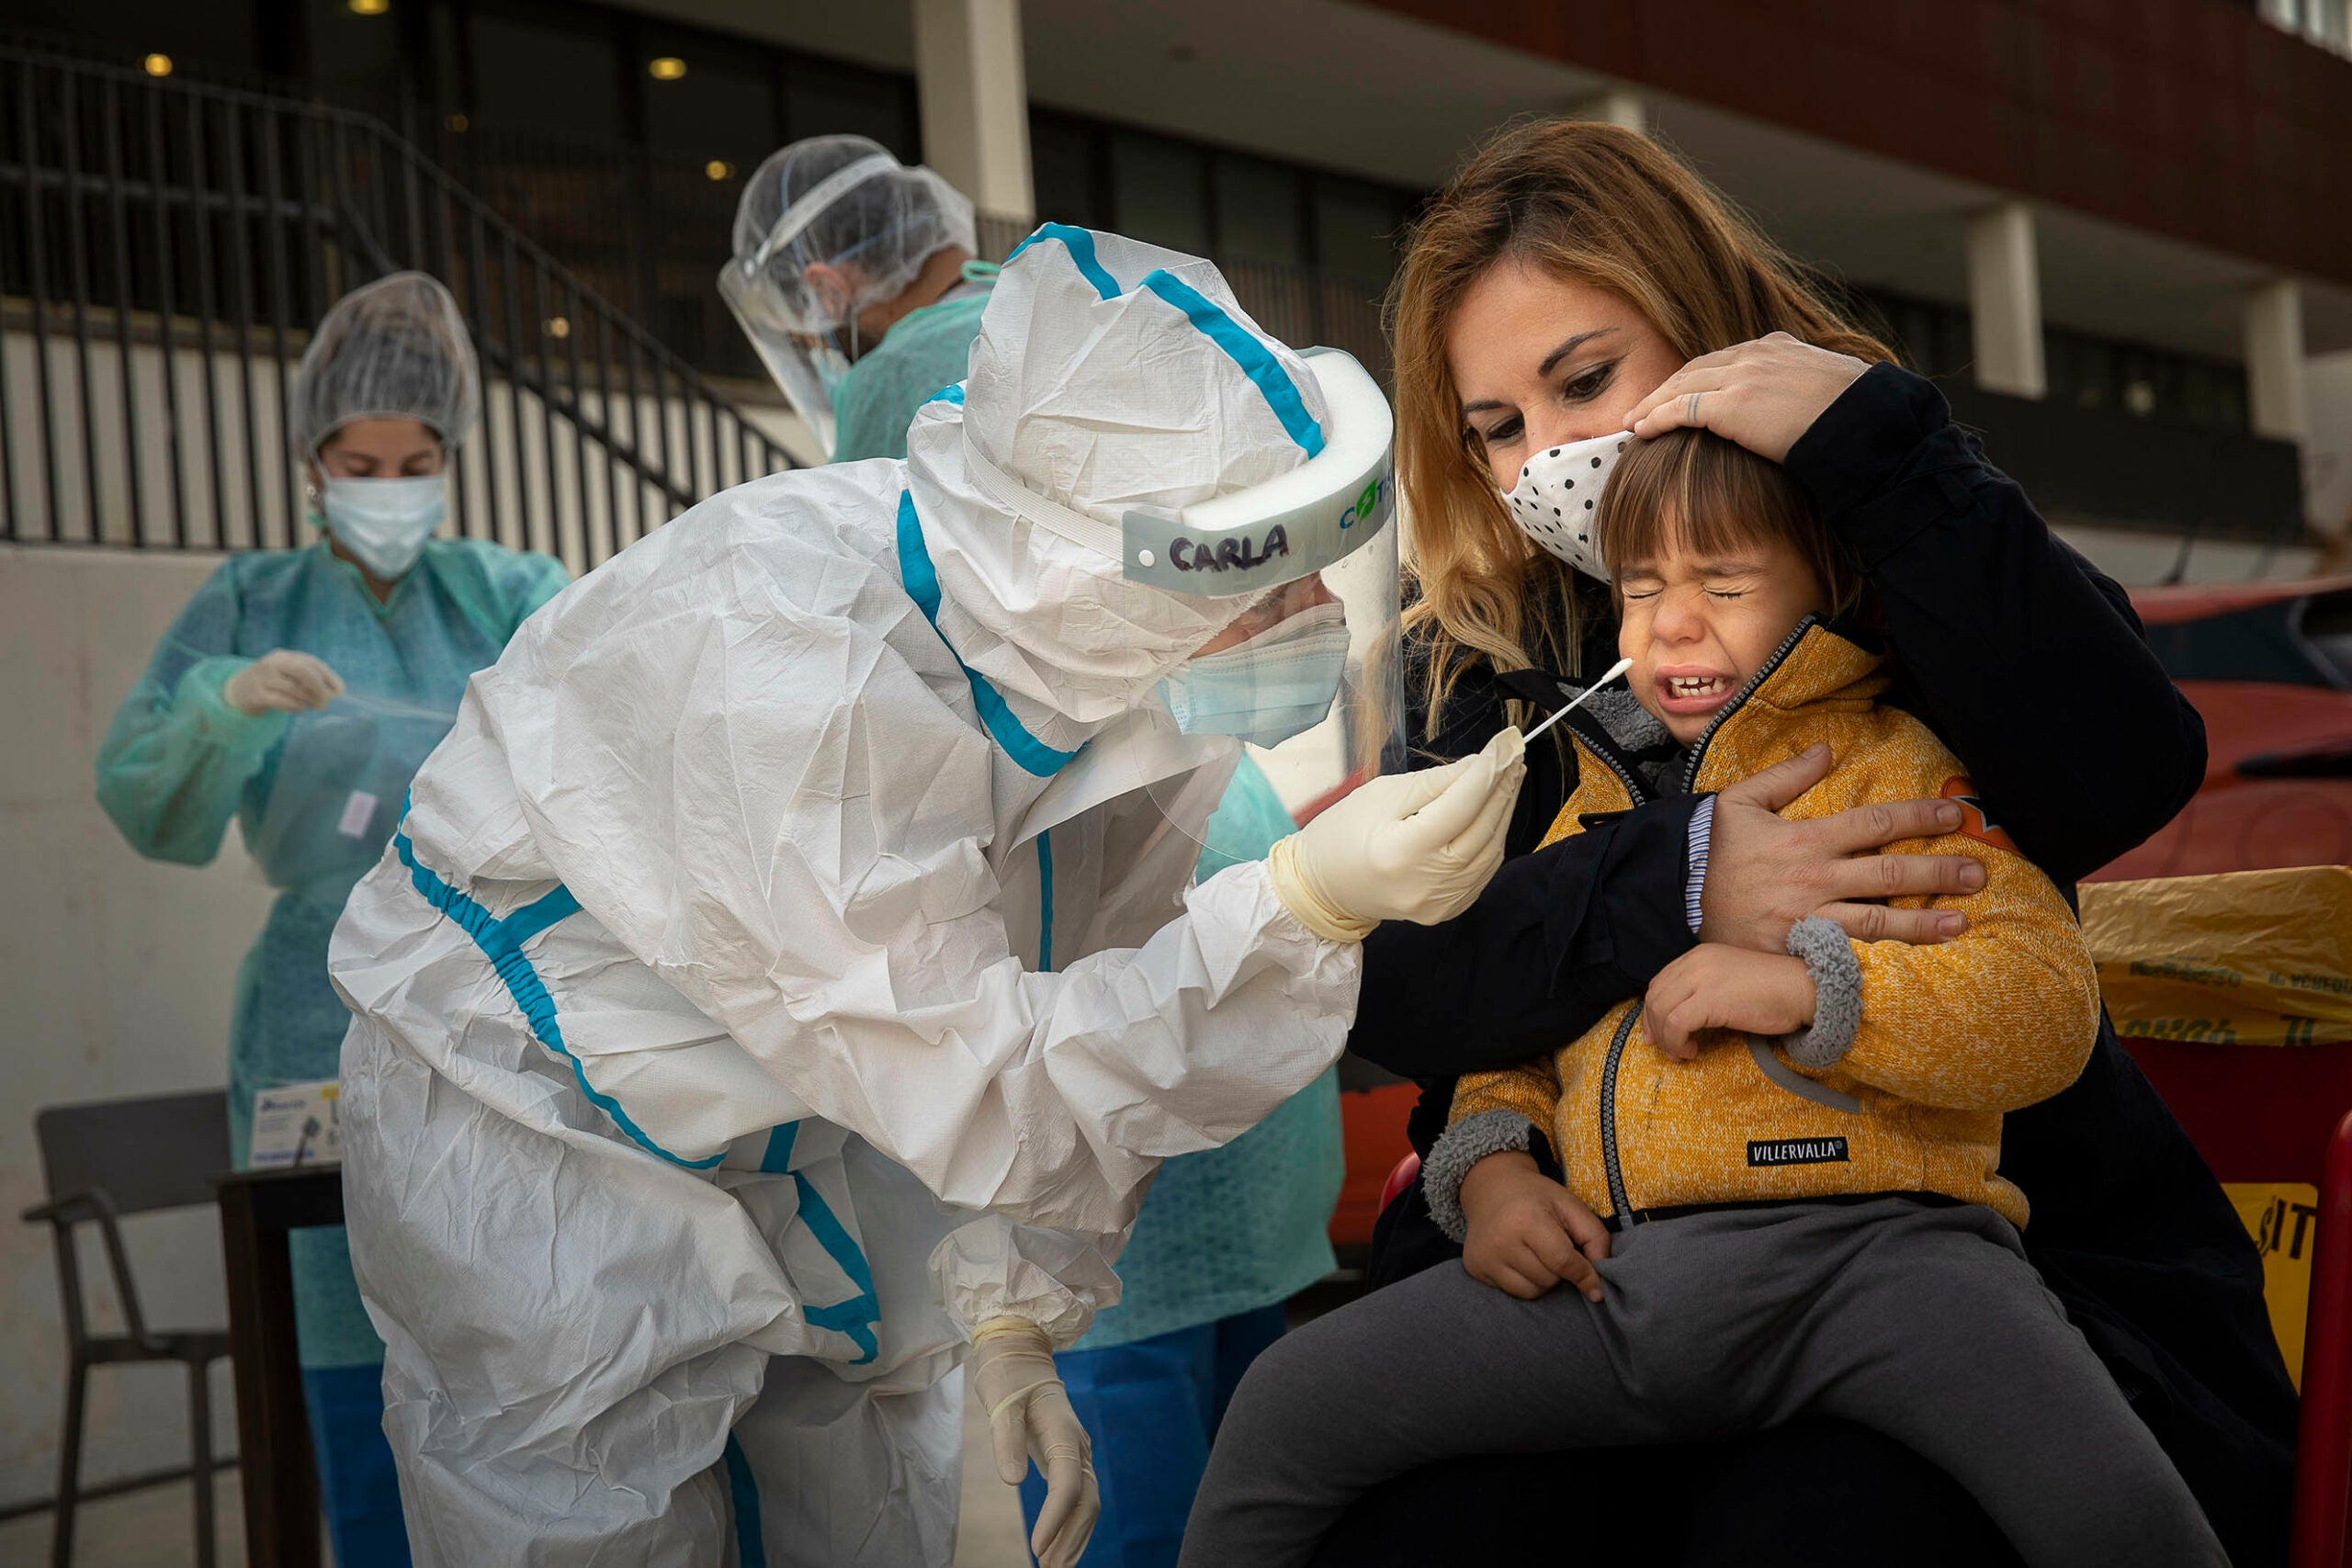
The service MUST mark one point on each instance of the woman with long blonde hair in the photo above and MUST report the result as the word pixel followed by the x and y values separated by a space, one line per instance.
pixel 1577 287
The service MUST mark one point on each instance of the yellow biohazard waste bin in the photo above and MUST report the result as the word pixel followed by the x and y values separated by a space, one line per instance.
pixel 2235 995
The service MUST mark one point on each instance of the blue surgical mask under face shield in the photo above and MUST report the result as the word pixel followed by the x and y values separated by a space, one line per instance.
pixel 383 523
pixel 1276 684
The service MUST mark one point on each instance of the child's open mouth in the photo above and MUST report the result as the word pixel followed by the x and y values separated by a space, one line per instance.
pixel 1679 693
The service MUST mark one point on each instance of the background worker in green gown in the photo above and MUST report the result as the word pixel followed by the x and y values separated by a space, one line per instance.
pixel 854 277
pixel 297 693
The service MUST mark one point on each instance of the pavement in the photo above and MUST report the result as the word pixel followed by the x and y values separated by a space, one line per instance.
pixel 155 1529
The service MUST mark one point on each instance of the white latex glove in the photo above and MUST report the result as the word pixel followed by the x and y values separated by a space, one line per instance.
pixel 1011 1374
pixel 1417 847
pixel 284 679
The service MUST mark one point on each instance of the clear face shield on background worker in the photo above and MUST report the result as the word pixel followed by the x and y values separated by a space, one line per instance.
pixel 827 229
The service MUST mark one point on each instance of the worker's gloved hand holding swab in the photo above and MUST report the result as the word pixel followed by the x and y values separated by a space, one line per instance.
pixel 1614 670
pixel 1417 847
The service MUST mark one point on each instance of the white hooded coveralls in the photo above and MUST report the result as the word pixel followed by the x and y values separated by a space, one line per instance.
pixel 780 970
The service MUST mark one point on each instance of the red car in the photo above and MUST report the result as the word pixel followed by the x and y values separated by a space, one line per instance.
pixel 2270 666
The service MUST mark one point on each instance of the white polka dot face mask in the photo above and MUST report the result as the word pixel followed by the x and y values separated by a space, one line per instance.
pixel 1553 502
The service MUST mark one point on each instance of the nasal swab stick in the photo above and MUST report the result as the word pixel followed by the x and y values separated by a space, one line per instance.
pixel 1614 670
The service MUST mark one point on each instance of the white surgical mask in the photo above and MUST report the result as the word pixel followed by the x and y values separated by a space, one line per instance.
pixel 1266 689
pixel 1558 488
pixel 384 523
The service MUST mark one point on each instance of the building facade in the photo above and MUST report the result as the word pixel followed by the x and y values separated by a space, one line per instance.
pixel 2117 232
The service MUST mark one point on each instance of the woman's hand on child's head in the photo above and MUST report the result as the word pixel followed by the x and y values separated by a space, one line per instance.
pixel 1764 394
pixel 1718 986
pixel 1527 1232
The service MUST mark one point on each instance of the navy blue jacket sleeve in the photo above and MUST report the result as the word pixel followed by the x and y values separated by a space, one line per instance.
pixel 2022 657
pixel 1559 937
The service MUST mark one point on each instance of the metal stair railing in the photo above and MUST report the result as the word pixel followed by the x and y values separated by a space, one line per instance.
pixel 165 246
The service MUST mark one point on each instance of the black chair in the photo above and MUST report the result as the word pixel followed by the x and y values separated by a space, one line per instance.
pixel 105 1160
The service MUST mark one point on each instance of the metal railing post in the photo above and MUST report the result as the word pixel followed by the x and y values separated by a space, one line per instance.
pixel 35 249
pixel 134 454
pixel 69 120
pixel 280 313
pixel 240 259
pixel 200 241
pixel 477 286
pixel 166 314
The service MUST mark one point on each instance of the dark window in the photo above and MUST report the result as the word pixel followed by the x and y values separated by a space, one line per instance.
pixel 723 109
pixel 2143 381
pixel 542 77
pixel 356 56
pixel 1160 191
pixel 226 35
pixel 1355 229
pixel 823 97
pixel 1062 165
pixel 1261 215
pixel 2084 370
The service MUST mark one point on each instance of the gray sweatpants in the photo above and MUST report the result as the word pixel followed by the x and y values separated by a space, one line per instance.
pixel 1923 1322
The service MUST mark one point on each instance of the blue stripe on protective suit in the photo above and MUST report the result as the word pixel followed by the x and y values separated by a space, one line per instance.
pixel 951 393
pixel 921 582
pixel 1243 346
pixel 502 943
pixel 751 1548
pixel 1245 349
pixel 1045 902
pixel 1079 244
pixel 861 1314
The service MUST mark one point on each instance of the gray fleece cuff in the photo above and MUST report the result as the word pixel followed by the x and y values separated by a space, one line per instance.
pixel 1828 956
pixel 1466 1142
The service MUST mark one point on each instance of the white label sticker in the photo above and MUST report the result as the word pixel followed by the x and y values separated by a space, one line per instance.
pixel 358 812
pixel 298 1123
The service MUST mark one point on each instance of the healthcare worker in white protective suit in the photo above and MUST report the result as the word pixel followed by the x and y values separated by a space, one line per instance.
pixel 789 974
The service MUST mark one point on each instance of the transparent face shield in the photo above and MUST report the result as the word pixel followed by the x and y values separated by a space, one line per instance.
pixel 807 366
pixel 1312 687
pixel 1307 683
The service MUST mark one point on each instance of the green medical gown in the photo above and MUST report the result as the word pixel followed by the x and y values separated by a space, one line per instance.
pixel 315 795
pixel 1233 1229
pixel 923 351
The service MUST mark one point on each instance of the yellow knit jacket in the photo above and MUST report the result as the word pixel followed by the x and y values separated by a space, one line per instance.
pixel 1949 1036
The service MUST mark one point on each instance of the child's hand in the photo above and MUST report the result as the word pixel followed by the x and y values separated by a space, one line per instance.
pixel 1527 1232
pixel 1715 985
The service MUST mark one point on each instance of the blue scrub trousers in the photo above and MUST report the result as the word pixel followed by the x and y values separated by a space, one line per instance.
pixel 1152 1408
pixel 358 1484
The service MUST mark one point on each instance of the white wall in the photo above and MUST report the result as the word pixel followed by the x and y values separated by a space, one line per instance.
pixel 115 979
pixel 2327 455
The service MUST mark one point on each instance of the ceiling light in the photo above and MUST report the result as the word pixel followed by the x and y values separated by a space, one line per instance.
pixel 157 65
pixel 666 68
pixel 719 169
pixel 368 7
